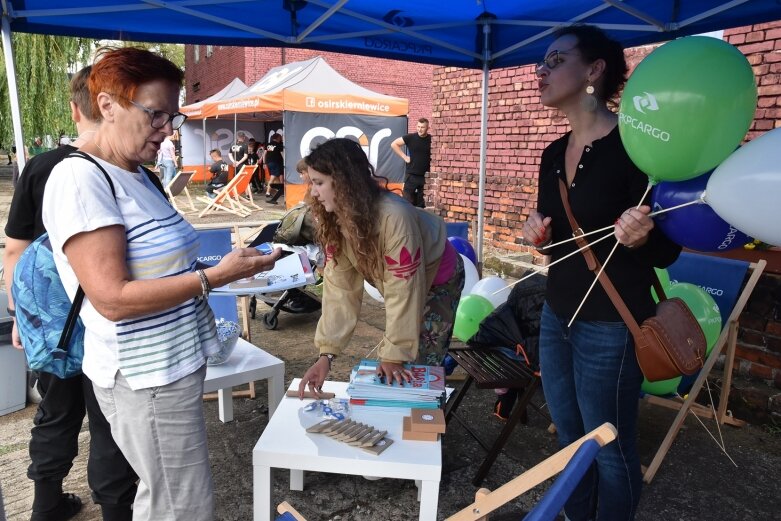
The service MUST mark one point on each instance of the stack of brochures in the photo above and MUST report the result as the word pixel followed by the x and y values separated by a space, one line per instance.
pixel 426 390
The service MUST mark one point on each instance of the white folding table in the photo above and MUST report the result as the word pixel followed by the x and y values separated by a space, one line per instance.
pixel 286 444
pixel 246 364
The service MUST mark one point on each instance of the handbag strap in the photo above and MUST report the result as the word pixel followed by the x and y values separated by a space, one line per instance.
pixel 78 299
pixel 594 265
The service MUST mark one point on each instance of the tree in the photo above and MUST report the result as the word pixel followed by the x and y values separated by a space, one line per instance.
pixel 43 67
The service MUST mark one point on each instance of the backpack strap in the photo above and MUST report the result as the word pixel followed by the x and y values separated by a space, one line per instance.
pixel 155 181
pixel 78 300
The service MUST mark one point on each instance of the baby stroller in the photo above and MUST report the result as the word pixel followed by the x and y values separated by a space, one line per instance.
pixel 295 300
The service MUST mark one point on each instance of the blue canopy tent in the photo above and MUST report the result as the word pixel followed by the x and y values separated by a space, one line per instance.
pixel 482 34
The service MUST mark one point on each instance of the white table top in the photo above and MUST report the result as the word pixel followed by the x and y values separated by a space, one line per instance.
pixel 246 358
pixel 286 444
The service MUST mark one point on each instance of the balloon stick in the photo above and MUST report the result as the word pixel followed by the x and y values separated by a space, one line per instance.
pixel 593 282
pixel 604 265
pixel 540 270
pixel 700 200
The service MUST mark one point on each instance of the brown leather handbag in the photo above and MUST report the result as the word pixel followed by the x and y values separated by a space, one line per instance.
pixel 668 344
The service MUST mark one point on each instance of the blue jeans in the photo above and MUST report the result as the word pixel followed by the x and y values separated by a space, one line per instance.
pixel 168 169
pixel 590 376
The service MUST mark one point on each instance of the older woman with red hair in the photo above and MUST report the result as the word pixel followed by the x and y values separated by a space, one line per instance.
pixel 149 328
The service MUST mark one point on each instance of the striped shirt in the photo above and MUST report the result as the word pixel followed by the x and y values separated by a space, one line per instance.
pixel 150 350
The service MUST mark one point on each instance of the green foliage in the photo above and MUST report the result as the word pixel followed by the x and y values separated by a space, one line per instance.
pixel 43 67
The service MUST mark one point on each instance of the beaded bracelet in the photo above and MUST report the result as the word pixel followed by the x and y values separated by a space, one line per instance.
pixel 205 286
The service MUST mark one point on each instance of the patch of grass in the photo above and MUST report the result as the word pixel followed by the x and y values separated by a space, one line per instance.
pixel 7 449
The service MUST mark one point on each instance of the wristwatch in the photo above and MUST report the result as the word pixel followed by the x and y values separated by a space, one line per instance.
pixel 330 357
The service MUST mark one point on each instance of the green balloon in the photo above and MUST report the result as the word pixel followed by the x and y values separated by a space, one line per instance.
pixel 662 387
pixel 472 309
pixel 664 279
pixel 703 307
pixel 686 107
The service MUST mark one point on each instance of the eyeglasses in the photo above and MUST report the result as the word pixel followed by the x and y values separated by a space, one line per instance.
pixel 160 118
pixel 551 60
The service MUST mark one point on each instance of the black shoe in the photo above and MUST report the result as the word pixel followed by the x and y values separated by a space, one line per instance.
pixel 69 506
pixel 272 202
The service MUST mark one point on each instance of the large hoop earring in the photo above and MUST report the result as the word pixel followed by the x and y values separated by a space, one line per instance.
pixel 589 100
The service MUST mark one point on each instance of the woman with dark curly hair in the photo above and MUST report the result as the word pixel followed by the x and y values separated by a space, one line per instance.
pixel 371 234
pixel 589 371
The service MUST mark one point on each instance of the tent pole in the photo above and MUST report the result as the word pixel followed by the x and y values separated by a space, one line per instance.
pixel 205 147
pixel 483 149
pixel 13 92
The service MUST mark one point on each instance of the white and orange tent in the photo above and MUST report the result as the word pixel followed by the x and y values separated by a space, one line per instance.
pixel 315 103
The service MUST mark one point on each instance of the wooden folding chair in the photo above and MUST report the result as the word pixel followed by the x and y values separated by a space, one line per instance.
pixel 574 460
pixel 288 513
pixel 178 185
pixel 242 192
pixel 709 272
pixel 225 200
pixel 214 244
pixel 491 369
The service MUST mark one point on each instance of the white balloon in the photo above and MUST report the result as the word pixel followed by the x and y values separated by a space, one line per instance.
pixel 470 275
pixel 373 292
pixel 744 189
pixel 492 288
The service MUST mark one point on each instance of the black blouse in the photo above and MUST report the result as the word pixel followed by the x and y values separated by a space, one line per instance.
pixel 606 183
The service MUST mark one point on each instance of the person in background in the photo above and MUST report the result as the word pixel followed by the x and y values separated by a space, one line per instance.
pixel 148 325
pixel 166 160
pixel 64 139
pixel 370 234
pixel 274 159
pixel 219 171
pixel 238 152
pixel 36 148
pixel 589 370
pixel 253 158
pixel 58 421
pixel 418 161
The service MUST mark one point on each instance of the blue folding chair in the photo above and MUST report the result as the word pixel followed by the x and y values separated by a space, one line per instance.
pixel 723 279
pixel 572 461
pixel 554 499
pixel 214 244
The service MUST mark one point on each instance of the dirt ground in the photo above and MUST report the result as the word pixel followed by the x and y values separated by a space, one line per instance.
pixel 695 482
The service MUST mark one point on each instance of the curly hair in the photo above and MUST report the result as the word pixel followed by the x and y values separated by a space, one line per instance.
pixel 356 193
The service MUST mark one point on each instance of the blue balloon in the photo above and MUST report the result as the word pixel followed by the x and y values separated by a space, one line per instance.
pixel 463 247
pixel 697 226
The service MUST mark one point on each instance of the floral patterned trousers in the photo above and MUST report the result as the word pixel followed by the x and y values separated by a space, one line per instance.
pixel 439 315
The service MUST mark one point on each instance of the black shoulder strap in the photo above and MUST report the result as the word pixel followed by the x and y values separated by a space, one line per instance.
pixel 83 155
pixel 155 181
pixel 78 300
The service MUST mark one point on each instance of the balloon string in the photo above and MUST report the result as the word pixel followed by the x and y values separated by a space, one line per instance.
pixel 540 270
pixel 719 444
pixel 604 265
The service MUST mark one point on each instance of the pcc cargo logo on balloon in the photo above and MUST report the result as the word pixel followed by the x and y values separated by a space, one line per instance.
pixel 646 101
pixel 642 103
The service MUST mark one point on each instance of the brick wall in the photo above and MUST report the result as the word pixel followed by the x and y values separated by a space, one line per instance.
pixel 211 73
pixel 391 77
